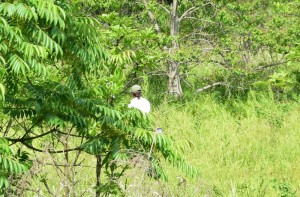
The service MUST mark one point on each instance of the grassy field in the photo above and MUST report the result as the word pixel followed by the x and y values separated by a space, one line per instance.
pixel 248 148
pixel 240 148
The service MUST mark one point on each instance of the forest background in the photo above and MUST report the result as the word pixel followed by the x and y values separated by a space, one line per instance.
pixel 222 77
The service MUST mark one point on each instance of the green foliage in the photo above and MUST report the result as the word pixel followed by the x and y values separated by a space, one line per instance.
pixel 10 164
pixel 254 40
pixel 284 188
pixel 65 65
pixel 139 137
pixel 56 75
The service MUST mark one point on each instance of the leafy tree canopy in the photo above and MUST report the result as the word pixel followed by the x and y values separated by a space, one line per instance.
pixel 58 71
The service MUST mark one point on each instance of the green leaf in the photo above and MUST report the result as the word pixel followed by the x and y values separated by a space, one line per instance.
pixel 2 92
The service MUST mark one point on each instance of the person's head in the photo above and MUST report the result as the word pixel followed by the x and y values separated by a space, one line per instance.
pixel 136 91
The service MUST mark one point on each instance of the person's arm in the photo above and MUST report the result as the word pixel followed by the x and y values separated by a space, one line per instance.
pixel 131 104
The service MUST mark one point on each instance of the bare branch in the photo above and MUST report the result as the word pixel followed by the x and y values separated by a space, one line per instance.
pixel 28 130
pixel 187 83
pixel 47 186
pixel 152 17
pixel 72 135
pixel 30 138
pixel 209 86
pixel 7 127
pixel 166 9
pixel 221 64
pixel 64 165
pixel 78 153
pixel 20 124
pixel 202 20
pixel 269 65
pixel 57 168
pixel 189 11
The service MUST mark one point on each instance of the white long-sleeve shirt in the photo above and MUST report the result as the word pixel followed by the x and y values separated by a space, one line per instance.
pixel 141 104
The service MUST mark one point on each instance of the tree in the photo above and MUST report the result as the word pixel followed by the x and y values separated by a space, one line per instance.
pixel 254 39
pixel 58 80
pixel 232 38
pixel 174 86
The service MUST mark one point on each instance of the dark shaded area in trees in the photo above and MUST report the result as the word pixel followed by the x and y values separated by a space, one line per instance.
pixel 166 1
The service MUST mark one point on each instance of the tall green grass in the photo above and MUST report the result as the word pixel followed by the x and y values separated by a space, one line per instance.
pixel 242 148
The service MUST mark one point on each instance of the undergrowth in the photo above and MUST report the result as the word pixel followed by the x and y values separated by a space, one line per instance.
pixel 240 148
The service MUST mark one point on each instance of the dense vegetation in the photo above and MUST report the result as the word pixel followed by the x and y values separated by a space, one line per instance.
pixel 222 77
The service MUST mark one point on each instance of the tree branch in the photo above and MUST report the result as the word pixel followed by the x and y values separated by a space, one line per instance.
pixel 168 11
pixel 72 135
pixel 152 17
pixel 209 86
pixel 29 81
pixel 27 131
pixel 65 165
pixel 7 127
pixel 189 11
pixel 44 181
pixel 52 152
pixel 78 153
pixel 22 139
pixel 221 64
pixel 269 65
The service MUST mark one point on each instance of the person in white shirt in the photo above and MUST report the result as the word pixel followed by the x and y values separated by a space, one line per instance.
pixel 138 101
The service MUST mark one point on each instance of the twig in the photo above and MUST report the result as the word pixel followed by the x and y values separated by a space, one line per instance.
pixel 269 65
pixel 7 127
pixel 57 168
pixel 187 83
pixel 72 135
pixel 221 64
pixel 78 153
pixel 65 165
pixel 83 193
pixel 47 187
pixel 19 123
pixel 28 130
pixel 203 20
pixel 29 81
pixel 30 138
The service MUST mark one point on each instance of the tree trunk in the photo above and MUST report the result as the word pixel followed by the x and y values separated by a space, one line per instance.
pixel 98 174
pixel 174 86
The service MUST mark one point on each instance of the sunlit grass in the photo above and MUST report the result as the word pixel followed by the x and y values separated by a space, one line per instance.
pixel 244 148
pixel 241 148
